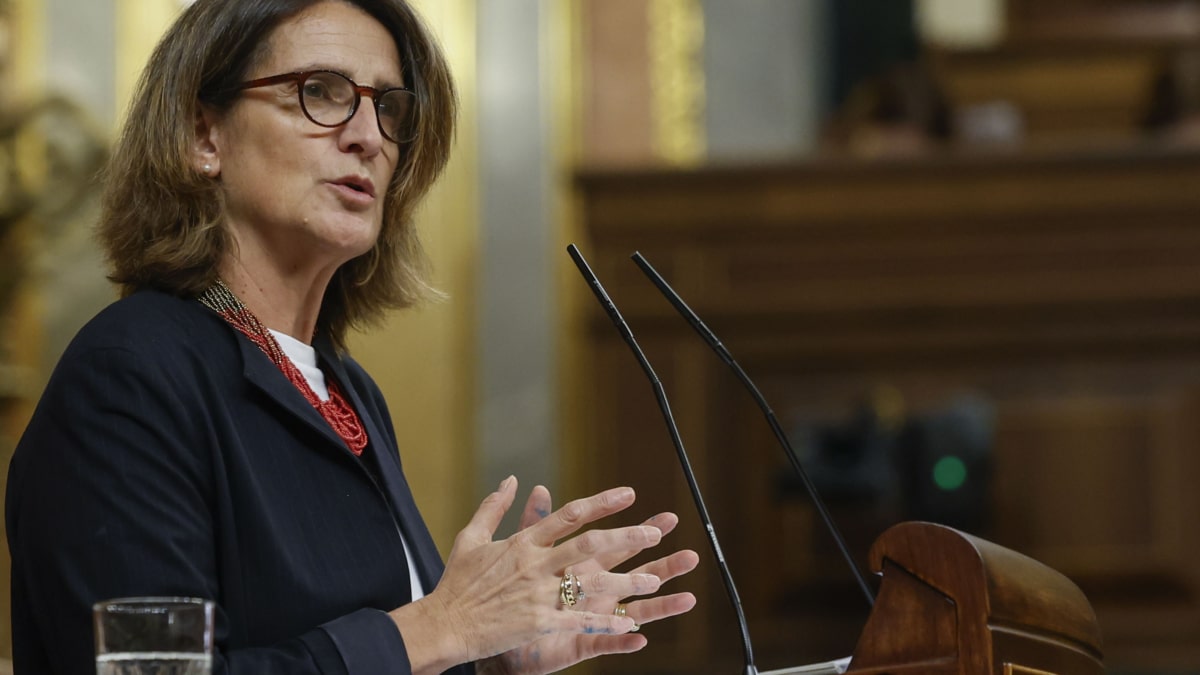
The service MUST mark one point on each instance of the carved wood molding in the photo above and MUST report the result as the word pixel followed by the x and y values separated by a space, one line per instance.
pixel 1103 21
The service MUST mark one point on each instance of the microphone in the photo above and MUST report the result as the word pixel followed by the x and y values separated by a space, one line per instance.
pixel 661 394
pixel 725 356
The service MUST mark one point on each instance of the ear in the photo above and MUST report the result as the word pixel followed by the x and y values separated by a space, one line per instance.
pixel 206 154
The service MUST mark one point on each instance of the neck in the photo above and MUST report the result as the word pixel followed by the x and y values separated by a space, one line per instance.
pixel 288 303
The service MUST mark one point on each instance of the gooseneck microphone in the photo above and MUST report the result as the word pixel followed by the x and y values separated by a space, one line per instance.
pixel 725 356
pixel 661 394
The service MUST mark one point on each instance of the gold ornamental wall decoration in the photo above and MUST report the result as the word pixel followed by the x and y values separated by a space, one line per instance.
pixel 677 83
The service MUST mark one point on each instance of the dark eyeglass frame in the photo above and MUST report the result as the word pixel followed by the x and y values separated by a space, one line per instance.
pixel 299 78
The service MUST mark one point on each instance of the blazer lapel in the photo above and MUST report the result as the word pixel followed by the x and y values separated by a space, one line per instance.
pixel 423 549
pixel 425 552
pixel 264 374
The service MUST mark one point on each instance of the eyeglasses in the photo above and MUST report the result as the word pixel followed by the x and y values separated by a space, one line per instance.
pixel 330 99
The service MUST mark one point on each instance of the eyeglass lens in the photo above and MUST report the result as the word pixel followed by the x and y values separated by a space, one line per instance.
pixel 329 100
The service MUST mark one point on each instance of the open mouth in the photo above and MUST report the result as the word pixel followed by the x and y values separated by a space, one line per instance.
pixel 362 187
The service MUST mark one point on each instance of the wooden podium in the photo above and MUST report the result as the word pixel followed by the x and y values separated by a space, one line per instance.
pixel 1062 287
pixel 950 603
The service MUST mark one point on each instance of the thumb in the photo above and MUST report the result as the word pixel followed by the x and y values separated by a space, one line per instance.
pixel 482 526
pixel 538 506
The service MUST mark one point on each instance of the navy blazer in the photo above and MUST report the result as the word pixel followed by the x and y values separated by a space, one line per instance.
pixel 170 456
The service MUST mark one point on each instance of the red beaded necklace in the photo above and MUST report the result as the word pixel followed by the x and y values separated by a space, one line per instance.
pixel 337 411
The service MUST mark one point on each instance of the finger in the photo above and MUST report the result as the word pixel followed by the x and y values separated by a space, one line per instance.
pixel 591 623
pixel 537 507
pixel 665 522
pixel 483 524
pixel 599 645
pixel 595 544
pixel 661 607
pixel 611 644
pixel 669 567
pixel 580 512
pixel 618 585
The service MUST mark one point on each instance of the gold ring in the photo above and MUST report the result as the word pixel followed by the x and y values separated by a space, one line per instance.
pixel 569 590
pixel 621 611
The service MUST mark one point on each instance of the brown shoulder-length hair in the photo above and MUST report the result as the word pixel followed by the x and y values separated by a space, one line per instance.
pixel 162 223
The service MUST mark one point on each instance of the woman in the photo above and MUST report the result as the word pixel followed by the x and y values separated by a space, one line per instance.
pixel 207 435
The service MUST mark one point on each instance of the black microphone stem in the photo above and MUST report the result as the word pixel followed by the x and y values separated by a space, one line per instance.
pixel 712 340
pixel 661 395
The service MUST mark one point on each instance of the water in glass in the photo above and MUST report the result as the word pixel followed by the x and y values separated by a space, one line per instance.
pixel 153 663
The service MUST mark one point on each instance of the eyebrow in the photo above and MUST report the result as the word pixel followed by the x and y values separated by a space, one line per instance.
pixel 317 65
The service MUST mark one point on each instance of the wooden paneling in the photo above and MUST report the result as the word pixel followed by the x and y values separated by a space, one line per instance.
pixel 1058 93
pixel 1073 68
pixel 1061 290
pixel 1103 20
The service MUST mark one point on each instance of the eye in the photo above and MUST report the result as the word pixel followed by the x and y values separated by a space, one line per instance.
pixel 315 88
pixel 327 88
pixel 388 109
pixel 395 104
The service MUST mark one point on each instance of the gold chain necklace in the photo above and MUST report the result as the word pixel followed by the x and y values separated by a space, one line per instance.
pixel 337 411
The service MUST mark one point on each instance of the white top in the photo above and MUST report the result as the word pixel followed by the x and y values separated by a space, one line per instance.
pixel 305 359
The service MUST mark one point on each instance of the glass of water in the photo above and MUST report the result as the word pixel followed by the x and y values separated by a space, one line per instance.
pixel 153 636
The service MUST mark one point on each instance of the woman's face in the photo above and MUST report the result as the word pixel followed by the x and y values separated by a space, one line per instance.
pixel 297 195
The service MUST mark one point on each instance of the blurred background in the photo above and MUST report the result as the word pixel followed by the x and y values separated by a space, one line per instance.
pixel 954 241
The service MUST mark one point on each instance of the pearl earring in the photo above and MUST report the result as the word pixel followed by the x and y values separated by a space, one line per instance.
pixel 208 168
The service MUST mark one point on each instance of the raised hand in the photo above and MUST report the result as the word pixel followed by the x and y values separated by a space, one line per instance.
pixel 499 596
pixel 559 650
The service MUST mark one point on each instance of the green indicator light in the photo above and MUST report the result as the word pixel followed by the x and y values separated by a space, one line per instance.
pixel 949 473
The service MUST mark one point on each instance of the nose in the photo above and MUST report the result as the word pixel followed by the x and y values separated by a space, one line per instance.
pixel 362 133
